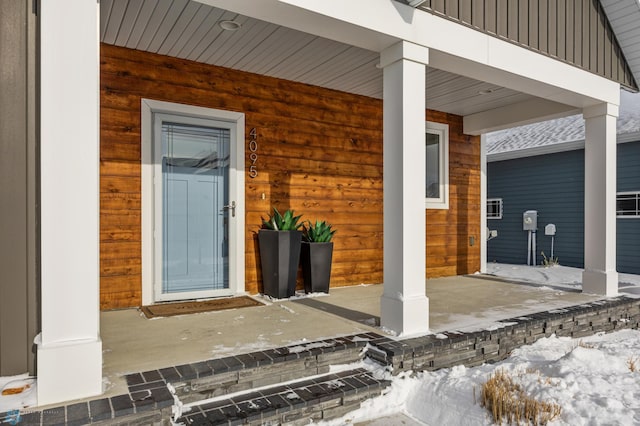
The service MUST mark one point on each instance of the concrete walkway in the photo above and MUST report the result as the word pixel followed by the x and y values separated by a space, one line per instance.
pixel 132 343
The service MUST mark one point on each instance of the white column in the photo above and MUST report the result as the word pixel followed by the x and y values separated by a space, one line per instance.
pixel 69 346
pixel 404 304
pixel 483 203
pixel 600 275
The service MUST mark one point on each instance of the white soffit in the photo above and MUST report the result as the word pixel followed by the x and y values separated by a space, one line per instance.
pixel 189 30
pixel 624 16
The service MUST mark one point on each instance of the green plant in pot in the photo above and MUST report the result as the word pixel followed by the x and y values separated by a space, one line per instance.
pixel 316 256
pixel 279 241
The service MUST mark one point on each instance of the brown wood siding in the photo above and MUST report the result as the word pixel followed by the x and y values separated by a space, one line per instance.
pixel 448 231
pixel 574 31
pixel 320 153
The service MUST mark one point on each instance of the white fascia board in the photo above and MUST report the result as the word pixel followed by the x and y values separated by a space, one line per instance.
pixel 520 114
pixel 536 150
pixel 629 137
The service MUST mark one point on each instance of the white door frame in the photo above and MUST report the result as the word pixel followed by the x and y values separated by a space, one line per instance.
pixel 236 192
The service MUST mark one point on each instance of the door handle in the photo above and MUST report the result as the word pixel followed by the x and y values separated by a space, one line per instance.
pixel 231 207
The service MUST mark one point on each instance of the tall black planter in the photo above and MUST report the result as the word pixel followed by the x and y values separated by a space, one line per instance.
pixel 279 255
pixel 316 266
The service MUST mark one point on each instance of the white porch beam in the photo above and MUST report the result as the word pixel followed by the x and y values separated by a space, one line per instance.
pixel 69 354
pixel 511 66
pixel 454 47
pixel 404 304
pixel 514 115
pixel 600 275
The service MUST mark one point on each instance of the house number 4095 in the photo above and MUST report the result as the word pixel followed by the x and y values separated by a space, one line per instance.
pixel 253 153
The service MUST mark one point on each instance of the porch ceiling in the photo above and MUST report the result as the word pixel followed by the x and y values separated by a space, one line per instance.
pixel 190 30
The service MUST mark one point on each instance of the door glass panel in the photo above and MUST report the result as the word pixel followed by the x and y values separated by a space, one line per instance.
pixel 195 188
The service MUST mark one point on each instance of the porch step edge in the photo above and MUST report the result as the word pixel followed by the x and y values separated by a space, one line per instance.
pixel 321 398
pixel 235 373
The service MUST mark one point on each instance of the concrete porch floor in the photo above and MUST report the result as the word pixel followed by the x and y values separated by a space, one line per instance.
pixel 132 343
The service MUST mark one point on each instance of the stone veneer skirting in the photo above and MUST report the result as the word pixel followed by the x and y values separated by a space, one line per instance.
pixel 325 395
pixel 488 346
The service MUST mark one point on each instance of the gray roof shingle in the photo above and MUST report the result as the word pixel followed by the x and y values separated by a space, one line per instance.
pixel 562 130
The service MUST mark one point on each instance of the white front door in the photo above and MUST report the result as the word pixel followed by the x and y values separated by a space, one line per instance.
pixel 197 221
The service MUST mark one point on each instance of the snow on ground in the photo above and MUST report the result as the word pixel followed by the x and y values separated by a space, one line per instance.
pixel 557 276
pixel 590 378
pixel 17 392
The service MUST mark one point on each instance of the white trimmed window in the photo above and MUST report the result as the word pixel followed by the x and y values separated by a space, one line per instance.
pixel 494 208
pixel 628 204
pixel 437 152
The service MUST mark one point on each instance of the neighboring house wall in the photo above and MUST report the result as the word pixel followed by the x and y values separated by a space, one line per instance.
pixel 628 232
pixel 18 165
pixel 320 153
pixel 553 184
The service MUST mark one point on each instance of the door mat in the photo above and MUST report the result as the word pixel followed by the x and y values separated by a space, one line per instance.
pixel 184 308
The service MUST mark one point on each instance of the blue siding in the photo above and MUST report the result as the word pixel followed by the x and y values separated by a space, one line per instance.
pixel 553 184
pixel 629 228
pixel 629 167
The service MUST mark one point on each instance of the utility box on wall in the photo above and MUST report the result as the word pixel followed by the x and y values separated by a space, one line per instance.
pixel 530 220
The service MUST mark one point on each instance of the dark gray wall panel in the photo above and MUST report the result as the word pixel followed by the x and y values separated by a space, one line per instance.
pixel 18 247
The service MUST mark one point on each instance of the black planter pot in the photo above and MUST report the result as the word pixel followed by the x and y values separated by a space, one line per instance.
pixel 279 257
pixel 316 266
